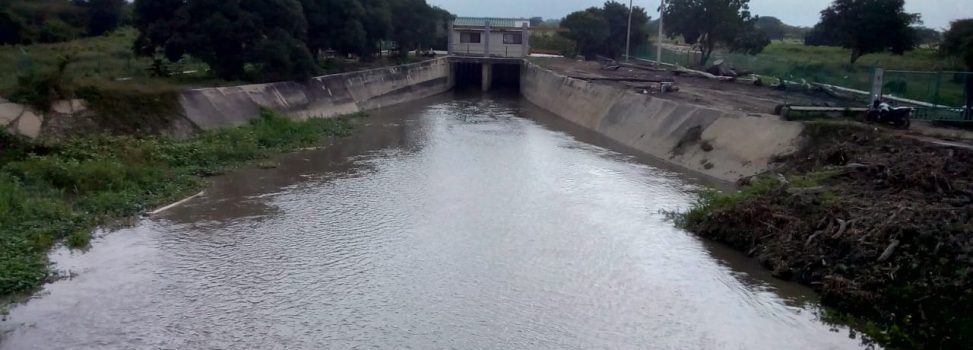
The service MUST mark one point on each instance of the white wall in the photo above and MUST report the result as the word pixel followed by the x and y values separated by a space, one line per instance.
pixel 497 47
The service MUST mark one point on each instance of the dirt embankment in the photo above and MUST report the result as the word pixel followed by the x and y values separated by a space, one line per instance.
pixel 723 95
pixel 880 224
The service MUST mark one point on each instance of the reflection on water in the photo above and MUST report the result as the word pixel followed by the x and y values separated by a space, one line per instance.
pixel 467 222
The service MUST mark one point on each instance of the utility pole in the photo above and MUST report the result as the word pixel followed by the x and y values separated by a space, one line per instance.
pixel 628 34
pixel 658 45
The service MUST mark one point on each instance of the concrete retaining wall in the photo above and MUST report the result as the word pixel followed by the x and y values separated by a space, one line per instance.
pixel 22 120
pixel 209 108
pixel 325 96
pixel 721 144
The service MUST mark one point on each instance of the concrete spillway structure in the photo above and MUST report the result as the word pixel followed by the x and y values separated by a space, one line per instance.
pixel 727 145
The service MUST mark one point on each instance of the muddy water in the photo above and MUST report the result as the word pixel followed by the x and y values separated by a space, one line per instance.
pixel 467 222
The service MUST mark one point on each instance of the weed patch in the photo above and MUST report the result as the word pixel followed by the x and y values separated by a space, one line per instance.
pixel 62 191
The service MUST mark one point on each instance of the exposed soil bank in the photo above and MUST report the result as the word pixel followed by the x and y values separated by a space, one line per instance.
pixel 722 144
pixel 879 224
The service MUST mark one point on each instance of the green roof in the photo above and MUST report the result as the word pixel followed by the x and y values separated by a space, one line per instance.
pixel 494 22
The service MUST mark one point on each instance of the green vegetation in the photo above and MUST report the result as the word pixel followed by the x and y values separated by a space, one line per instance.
pixel 108 57
pixel 795 61
pixel 866 26
pixel 282 39
pixel 958 41
pixel 712 23
pixel 553 44
pixel 603 30
pixel 266 40
pixel 48 21
pixel 50 192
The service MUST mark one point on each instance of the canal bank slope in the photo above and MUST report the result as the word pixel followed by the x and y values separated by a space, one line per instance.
pixel 325 96
pixel 181 113
pixel 723 144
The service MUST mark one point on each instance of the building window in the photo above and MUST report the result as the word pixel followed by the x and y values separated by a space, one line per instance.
pixel 469 38
pixel 513 38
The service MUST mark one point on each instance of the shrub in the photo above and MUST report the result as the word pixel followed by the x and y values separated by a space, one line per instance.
pixel 39 89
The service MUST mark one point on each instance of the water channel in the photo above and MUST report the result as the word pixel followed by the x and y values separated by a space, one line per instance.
pixel 460 221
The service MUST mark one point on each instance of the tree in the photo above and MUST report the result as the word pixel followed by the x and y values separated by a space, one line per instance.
pixel 227 35
pixel 928 36
pixel 413 25
pixel 11 29
pixel 708 23
pixel 587 28
pixel 603 31
pixel 102 16
pixel 378 25
pixel 771 27
pixel 958 42
pixel 616 14
pixel 536 21
pixel 866 26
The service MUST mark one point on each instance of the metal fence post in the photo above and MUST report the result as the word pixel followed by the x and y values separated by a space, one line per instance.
pixel 878 78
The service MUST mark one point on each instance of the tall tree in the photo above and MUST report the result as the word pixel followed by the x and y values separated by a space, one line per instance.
pixel 102 16
pixel 958 42
pixel 866 26
pixel 928 36
pixel 772 27
pixel 709 23
pixel 227 35
pixel 11 29
pixel 616 14
pixel 413 24
pixel 378 25
pixel 536 21
pixel 587 28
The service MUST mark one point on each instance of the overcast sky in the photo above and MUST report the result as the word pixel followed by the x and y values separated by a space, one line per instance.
pixel 935 13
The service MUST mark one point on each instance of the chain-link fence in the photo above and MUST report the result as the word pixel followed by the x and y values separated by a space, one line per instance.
pixel 943 88
pixel 939 95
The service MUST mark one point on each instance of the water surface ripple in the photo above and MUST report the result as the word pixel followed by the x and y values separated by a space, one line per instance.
pixel 475 222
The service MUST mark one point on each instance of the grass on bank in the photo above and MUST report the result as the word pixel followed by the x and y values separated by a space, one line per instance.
pixel 109 58
pixel 828 64
pixel 63 191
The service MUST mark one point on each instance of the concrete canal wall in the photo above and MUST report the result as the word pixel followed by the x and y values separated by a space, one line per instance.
pixel 208 108
pixel 325 96
pixel 722 144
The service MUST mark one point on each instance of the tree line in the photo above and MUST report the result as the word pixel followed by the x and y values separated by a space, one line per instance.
pixel 863 26
pixel 48 21
pixel 282 39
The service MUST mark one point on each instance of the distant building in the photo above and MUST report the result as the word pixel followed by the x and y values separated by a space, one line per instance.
pixel 491 37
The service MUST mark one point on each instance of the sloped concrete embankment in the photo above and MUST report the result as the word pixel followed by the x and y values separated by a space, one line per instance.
pixel 209 108
pixel 726 145
pixel 325 96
